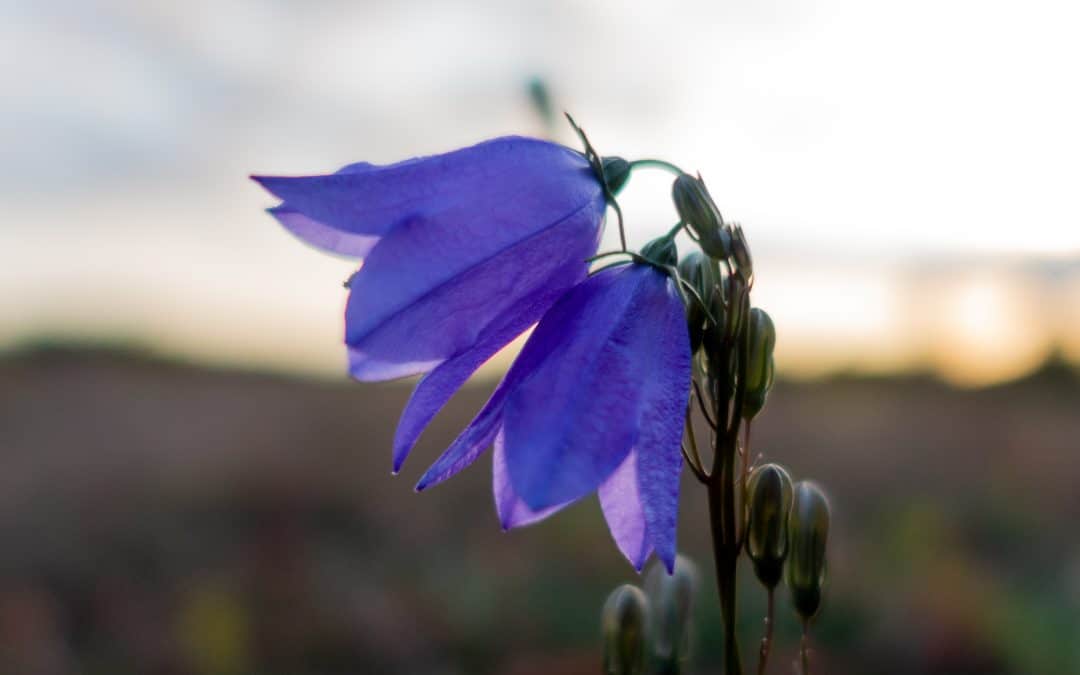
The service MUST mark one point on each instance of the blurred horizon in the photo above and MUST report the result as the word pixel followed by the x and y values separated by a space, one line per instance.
pixel 166 519
pixel 908 209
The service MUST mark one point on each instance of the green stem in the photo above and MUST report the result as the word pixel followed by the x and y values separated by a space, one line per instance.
pixel 766 642
pixel 722 484
pixel 725 544
pixel 656 164
pixel 618 214
pixel 804 650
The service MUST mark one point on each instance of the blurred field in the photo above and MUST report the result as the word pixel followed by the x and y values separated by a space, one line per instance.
pixel 157 518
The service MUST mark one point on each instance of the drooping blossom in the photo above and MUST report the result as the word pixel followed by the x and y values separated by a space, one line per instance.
pixel 462 252
pixel 595 401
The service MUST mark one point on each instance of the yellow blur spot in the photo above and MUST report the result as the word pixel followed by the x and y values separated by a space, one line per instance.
pixel 828 321
pixel 988 329
pixel 1069 328
pixel 215 632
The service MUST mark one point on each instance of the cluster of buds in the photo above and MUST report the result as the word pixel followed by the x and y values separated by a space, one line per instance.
pixel 783 527
pixel 649 631
pixel 721 276
pixel 786 529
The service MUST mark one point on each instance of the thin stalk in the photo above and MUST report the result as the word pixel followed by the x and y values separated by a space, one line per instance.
pixel 722 488
pixel 702 405
pixel 804 650
pixel 698 472
pixel 744 477
pixel 694 457
pixel 725 544
pixel 766 642
pixel 656 164
pixel 618 214
pixel 693 443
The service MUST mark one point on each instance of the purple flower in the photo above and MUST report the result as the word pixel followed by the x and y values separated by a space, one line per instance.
pixel 595 402
pixel 462 252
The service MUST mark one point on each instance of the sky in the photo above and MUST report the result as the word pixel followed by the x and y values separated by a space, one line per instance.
pixel 906 172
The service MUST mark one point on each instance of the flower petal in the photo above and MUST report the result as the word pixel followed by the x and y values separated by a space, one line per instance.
pixel 476 438
pixel 437 386
pixel 457 188
pixel 323 236
pixel 620 499
pixel 665 393
pixel 573 418
pixel 405 316
pixel 482 430
pixel 513 512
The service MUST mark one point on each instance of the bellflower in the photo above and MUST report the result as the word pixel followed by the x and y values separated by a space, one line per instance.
pixel 595 401
pixel 462 252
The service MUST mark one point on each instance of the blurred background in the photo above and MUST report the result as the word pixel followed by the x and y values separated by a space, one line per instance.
pixel 190 484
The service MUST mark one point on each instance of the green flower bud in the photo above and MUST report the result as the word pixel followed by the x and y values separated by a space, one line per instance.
pixel 697 270
pixel 740 250
pixel 624 622
pixel 754 399
pixel 661 251
pixel 702 274
pixel 769 496
pixel 719 339
pixel 714 338
pixel 759 366
pixel 671 599
pixel 736 294
pixel 616 172
pixel 716 243
pixel 808 531
pixel 698 210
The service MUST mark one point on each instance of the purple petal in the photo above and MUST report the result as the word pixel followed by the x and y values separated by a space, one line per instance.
pixel 459 188
pixel 405 315
pixel 482 430
pixel 572 420
pixel 323 236
pixel 476 438
pixel 513 512
pixel 366 369
pixel 665 392
pixel 595 400
pixel 436 387
pixel 620 499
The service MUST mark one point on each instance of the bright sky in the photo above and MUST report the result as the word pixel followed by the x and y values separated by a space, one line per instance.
pixel 906 172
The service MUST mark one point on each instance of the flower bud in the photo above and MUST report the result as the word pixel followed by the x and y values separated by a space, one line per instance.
pixel 671 601
pixel 736 295
pixel 661 251
pixel 616 173
pixel 624 622
pixel 754 399
pixel 769 496
pixel 740 250
pixel 808 531
pixel 759 366
pixel 714 341
pixel 698 210
pixel 701 273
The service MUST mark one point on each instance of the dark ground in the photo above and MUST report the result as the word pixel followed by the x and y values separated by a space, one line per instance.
pixel 159 518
